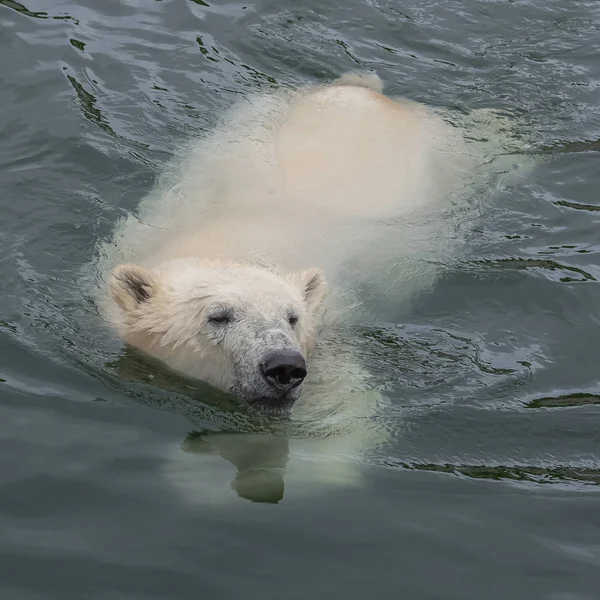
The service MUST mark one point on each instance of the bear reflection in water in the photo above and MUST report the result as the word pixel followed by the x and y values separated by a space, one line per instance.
pixel 259 460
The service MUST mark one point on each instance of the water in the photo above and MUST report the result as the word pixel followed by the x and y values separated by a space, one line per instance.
pixel 488 484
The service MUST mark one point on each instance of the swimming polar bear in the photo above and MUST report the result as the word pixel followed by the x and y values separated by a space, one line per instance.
pixel 261 236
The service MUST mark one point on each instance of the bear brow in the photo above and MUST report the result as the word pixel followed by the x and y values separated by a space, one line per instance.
pixel 198 298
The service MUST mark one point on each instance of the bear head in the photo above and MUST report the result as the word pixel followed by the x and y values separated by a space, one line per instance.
pixel 242 328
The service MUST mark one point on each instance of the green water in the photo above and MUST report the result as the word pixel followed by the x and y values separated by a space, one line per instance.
pixel 489 484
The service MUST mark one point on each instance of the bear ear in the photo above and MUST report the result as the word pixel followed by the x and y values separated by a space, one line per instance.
pixel 313 285
pixel 131 285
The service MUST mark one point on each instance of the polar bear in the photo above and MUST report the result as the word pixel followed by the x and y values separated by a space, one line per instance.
pixel 229 285
pixel 270 229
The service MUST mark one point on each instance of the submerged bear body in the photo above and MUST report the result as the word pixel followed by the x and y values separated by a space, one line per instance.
pixel 225 272
pixel 301 212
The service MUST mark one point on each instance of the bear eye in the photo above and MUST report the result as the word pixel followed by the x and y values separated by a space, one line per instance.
pixel 220 319
pixel 292 320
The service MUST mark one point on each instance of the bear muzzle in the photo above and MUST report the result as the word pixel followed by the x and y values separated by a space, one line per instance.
pixel 283 370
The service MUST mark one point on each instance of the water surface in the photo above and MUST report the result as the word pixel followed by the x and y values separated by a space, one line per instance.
pixel 489 486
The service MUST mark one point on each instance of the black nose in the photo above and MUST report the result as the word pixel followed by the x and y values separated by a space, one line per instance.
pixel 284 369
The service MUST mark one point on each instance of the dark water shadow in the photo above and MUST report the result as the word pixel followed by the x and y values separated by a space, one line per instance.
pixel 520 264
pixel 577 205
pixel 565 401
pixel 572 147
pixel 22 9
pixel 89 107
pixel 522 473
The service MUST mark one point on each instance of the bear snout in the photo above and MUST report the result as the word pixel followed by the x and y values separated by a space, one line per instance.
pixel 284 370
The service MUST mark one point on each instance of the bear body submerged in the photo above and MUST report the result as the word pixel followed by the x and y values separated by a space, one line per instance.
pixel 232 265
pixel 255 238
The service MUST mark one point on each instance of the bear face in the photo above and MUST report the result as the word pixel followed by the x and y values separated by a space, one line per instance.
pixel 242 328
